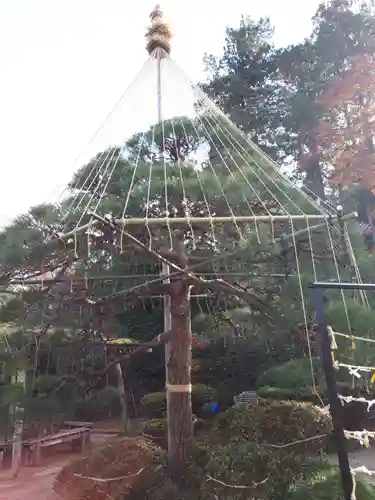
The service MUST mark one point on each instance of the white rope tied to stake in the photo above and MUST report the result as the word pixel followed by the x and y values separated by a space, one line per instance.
pixel 362 470
pixel 350 399
pixel 354 369
pixel 178 388
pixel 332 340
pixel 362 436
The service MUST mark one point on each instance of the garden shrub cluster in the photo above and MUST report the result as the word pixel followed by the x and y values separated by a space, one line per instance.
pixel 245 448
pixel 292 380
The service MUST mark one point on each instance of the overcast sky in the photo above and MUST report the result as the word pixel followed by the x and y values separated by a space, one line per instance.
pixel 64 63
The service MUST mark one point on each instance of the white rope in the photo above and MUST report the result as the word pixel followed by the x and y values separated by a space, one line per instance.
pixel 100 173
pixel 108 171
pixel 338 273
pixel 354 337
pixel 148 203
pixel 219 183
pixel 186 208
pixel 350 399
pixel 304 311
pixel 119 102
pixel 203 195
pixel 178 388
pixel 248 162
pixel 363 470
pixel 160 117
pixel 362 436
pixel 130 189
pixel 216 113
pixel 109 479
pixel 97 164
pixel 256 194
pixel 354 369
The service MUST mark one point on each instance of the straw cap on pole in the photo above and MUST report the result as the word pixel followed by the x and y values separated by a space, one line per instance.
pixel 158 35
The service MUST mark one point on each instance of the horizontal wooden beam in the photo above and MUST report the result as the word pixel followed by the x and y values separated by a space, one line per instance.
pixel 174 221
pixel 187 221
pixel 81 279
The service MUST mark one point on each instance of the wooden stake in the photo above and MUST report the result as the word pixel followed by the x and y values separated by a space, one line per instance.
pixel 17 448
pixel 122 396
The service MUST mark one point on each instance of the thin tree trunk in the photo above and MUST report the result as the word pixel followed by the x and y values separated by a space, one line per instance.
pixel 122 396
pixel 314 175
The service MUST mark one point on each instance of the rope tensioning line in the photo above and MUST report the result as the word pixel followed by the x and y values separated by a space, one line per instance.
pixel 363 436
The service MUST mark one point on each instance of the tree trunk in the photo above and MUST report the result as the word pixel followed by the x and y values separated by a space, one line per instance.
pixel 314 175
pixel 180 426
pixel 122 396
pixel 314 179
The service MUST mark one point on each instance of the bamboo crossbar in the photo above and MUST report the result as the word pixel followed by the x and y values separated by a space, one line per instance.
pixel 172 221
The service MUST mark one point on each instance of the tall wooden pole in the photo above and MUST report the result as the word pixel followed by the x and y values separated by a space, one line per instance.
pixel 177 310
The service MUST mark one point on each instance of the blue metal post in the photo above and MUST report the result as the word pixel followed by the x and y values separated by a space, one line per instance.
pixel 334 401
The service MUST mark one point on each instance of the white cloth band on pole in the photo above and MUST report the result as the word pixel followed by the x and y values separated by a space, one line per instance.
pixel 178 388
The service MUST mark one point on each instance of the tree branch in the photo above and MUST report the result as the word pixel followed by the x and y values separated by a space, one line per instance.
pixel 221 286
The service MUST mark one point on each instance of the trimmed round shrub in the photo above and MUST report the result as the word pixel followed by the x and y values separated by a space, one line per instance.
pixel 293 374
pixel 154 405
pixel 297 394
pixel 127 459
pixel 273 422
pixel 157 430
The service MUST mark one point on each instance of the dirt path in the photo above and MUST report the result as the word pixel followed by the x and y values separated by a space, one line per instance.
pixel 36 483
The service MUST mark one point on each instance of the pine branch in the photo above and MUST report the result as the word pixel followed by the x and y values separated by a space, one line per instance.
pixel 221 286
pixel 65 379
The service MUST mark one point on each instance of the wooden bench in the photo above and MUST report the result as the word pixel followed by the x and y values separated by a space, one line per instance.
pixel 79 437
pixel 71 424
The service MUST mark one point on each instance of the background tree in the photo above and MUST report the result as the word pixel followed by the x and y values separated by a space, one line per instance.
pixel 342 29
pixel 243 82
pixel 272 93
pixel 345 133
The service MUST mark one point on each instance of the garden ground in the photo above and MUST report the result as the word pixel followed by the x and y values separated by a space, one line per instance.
pixel 36 482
